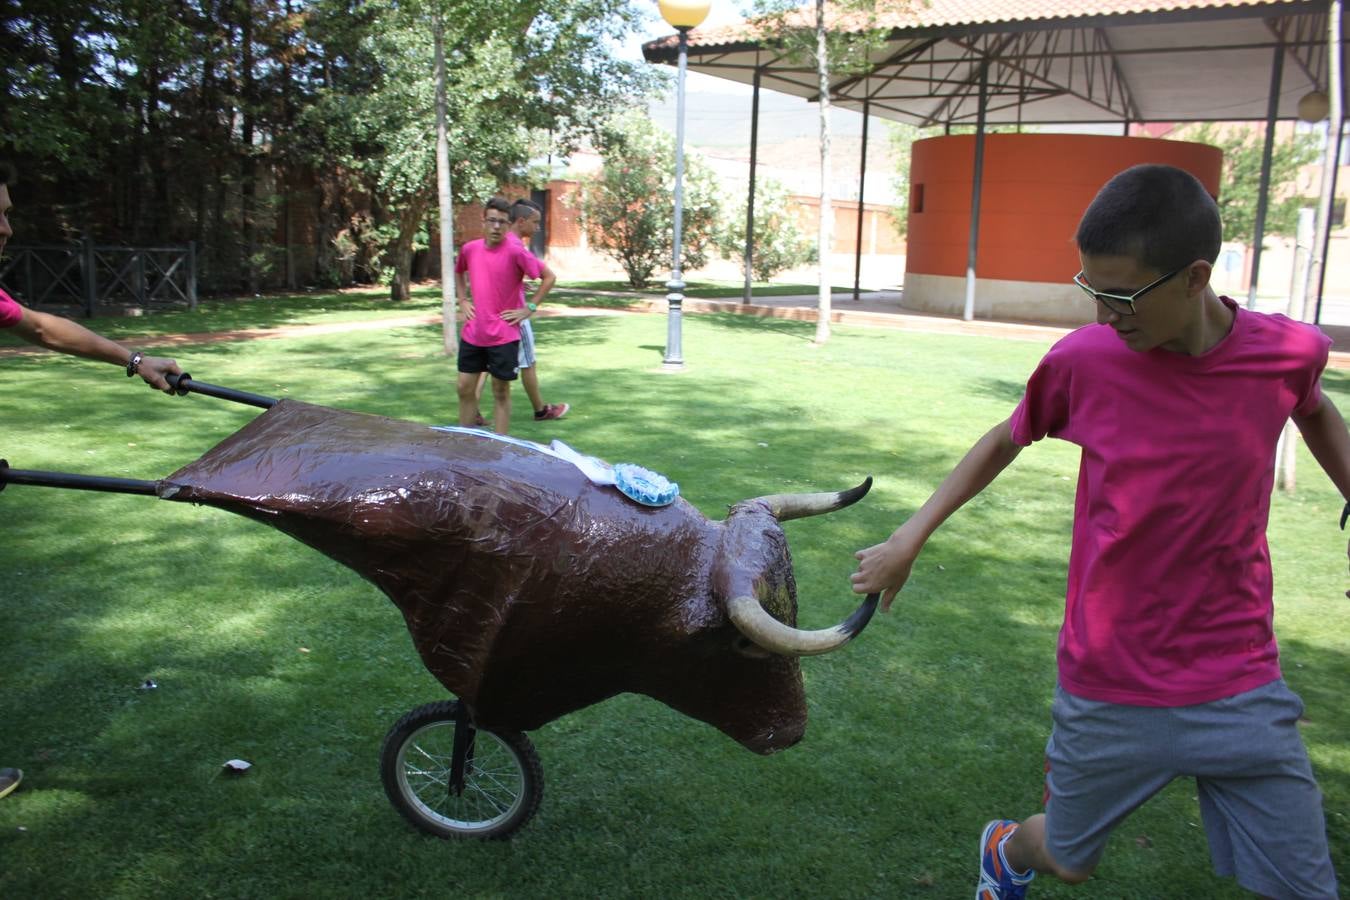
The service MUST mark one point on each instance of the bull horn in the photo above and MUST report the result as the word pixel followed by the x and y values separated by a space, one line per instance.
pixel 798 506
pixel 770 634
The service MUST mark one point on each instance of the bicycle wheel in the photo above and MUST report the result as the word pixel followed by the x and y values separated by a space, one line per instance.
pixel 492 792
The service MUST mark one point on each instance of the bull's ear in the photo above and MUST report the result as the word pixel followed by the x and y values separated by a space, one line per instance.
pixel 728 580
pixel 748 545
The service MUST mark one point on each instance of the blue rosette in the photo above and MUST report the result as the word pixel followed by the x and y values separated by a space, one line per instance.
pixel 644 486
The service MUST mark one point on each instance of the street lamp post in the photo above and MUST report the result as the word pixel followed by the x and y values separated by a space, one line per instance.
pixel 683 15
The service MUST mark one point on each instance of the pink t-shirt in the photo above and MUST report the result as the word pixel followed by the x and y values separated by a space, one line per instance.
pixel 10 312
pixel 512 236
pixel 495 275
pixel 1169 585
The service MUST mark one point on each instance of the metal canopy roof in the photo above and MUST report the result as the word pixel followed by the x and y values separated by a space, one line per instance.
pixel 1049 61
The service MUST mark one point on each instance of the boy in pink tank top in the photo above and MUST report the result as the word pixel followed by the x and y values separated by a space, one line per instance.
pixel 1168 665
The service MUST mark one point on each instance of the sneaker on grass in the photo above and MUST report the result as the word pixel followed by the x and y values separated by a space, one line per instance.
pixel 9 780
pixel 998 880
pixel 551 411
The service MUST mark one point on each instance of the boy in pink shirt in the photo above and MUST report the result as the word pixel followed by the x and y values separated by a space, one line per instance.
pixel 490 301
pixel 64 336
pixel 1168 665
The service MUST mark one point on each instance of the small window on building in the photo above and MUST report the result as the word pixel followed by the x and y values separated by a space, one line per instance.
pixel 1338 212
pixel 916 198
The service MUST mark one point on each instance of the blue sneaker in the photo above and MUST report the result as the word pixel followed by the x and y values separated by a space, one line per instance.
pixel 9 780
pixel 998 881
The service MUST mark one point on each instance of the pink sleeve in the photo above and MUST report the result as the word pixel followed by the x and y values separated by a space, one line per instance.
pixel 461 261
pixel 531 266
pixel 1310 395
pixel 1044 408
pixel 10 312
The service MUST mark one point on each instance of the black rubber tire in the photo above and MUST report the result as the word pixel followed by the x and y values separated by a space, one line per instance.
pixel 503 783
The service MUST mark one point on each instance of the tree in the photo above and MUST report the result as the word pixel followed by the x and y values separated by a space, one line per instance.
pixel 144 122
pixel 833 39
pixel 510 67
pixel 140 121
pixel 1239 191
pixel 628 207
pixel 780 242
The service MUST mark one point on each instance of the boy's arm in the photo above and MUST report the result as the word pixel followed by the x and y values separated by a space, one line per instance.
pixel 1329 442
pixel 462 292
pixel 65 336
pixel 885 567
pixel 547 280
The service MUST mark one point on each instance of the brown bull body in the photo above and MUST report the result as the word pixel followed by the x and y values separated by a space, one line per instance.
pixel 529 591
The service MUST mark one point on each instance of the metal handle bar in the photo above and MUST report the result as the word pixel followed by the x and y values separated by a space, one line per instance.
pixel 180 384
pixel 78 482
pixel 184 383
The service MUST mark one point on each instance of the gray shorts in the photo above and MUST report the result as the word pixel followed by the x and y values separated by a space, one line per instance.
pixel 526 344
pixel 1261 807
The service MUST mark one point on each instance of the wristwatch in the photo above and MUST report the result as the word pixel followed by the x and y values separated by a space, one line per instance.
pixel 134 364
pixel 531 306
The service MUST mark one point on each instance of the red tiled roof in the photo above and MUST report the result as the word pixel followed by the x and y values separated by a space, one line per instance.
pixel 923 14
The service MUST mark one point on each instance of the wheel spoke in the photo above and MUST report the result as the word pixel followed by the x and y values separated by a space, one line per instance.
pixel 496 792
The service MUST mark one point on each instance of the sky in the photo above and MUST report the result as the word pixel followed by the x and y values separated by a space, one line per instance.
pixel 717 111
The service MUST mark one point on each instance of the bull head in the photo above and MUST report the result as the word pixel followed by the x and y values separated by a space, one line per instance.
pixel 744 524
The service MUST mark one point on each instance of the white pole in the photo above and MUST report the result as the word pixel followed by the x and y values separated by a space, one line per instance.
pixel 449 327
pixel 1329 153
pixel 1286 452
pixel 674 358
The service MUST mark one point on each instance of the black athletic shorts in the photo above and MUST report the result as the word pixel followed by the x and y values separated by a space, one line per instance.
pixel 501 361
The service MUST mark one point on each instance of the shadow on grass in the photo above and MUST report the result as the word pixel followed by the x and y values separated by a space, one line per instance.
pixel 734 322
pixel 271 311
pixel 706 290
pixel 1006 389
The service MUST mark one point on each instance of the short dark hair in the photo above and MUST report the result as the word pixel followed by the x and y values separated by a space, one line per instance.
pixel 522 207
pixel 1161 216
pixel 499 203
pixel 8 174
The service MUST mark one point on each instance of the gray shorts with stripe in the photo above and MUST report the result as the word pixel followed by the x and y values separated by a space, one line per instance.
pixel 526 344
pixel 1261 807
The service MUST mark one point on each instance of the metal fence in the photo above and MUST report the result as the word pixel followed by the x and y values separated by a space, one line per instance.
pixel 89 275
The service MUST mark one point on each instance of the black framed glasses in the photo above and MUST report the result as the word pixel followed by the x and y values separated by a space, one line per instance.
pixel 1123 304
pixel 500 223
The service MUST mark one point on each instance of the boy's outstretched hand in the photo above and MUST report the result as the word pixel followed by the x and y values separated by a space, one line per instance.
pixel 884 568
pixel 154 368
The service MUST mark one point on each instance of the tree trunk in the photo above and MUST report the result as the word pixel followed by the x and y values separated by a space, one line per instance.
pixel 248 183
pixel 825 235
pixel 285 170
pixel 158 229
pixel 205 133
pixel 449 326
pixel 400 254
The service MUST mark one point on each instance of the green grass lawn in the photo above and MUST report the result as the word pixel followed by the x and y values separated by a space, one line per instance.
pixel 932 722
